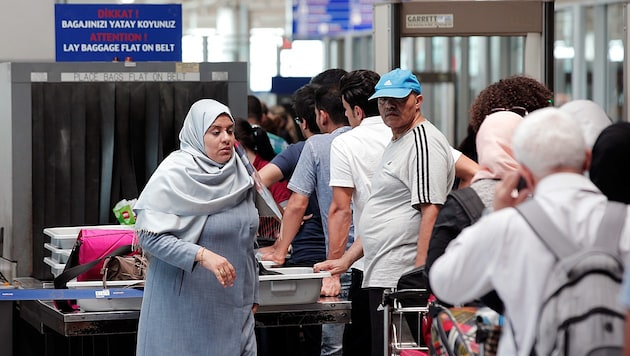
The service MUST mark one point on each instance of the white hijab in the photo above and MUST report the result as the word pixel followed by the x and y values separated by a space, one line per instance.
pixel 188 186
pixel 590 116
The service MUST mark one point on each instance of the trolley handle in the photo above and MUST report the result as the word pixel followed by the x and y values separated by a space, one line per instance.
pixel 391 295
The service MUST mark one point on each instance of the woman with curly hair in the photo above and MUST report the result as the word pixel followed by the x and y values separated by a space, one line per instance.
pixel 520 94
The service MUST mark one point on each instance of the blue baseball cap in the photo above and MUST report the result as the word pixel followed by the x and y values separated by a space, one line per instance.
pixel 397 84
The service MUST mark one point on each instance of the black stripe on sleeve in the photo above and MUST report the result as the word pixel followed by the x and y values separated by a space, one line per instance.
pixel 422 164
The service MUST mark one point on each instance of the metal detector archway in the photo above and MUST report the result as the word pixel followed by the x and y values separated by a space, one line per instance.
pixel 531 20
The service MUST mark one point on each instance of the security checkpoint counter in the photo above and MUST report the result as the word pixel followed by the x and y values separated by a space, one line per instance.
pixel 44 316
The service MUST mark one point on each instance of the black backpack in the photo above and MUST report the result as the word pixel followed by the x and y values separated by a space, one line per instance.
pixel 470 202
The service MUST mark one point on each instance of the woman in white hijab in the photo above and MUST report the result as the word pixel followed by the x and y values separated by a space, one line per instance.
pixel 197 221
pixel 590 116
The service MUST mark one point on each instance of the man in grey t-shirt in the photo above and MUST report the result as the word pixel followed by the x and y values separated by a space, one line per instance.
pixel 411 183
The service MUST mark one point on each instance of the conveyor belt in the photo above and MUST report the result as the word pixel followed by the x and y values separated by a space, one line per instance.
pixel 54 294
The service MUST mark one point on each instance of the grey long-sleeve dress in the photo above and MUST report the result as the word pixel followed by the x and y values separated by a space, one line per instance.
pixel 185 311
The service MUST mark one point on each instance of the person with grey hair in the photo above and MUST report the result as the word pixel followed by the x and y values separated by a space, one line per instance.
pixel 502 252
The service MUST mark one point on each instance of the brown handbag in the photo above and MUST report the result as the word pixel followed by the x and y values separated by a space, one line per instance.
pixel 125 268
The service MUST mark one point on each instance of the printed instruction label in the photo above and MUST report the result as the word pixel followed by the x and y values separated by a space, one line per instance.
pixel 429 21
pixel 130 77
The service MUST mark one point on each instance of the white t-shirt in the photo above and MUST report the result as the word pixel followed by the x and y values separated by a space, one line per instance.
pixel 418 168
pixel 354 156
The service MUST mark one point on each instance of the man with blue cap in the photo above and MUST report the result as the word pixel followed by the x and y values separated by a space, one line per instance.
pixel 414 177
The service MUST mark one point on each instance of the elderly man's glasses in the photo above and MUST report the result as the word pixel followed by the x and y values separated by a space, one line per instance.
pixel 515 109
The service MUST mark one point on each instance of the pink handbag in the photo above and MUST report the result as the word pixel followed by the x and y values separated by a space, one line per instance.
pixel 95 244
pixel 90 250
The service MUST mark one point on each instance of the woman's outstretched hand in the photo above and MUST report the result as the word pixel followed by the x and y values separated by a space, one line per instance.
pixel 217 264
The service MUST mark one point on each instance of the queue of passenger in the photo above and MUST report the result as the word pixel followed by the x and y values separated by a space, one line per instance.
pixel 370 198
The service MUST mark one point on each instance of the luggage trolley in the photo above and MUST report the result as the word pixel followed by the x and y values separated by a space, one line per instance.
pixel 401 308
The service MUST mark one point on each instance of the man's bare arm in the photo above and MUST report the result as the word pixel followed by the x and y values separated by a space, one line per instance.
pixel 465 169
pixel 291 222
pixel 339 220
pixel 270 174
pixel 341 265
pixel 429 216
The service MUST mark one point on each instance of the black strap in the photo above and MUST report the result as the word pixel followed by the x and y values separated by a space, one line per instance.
pixel 470 202
pixel 72 272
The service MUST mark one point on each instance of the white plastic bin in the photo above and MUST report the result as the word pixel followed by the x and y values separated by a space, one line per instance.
pixel 296 285
pixel 112 304
pixel 55 267
pixel 64 237
pixel 58 255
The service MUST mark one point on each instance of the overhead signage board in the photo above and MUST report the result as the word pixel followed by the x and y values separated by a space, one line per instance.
pixel 109 32
pixel 315 19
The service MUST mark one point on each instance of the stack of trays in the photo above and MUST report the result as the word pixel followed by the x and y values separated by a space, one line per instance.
pixel 58 255
pixel 58 258
pixel 62 240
